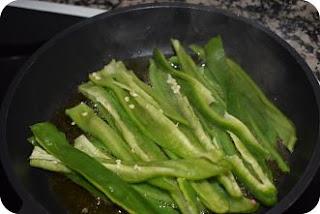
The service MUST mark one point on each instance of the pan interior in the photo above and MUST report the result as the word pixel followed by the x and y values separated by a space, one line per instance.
pixel 54 74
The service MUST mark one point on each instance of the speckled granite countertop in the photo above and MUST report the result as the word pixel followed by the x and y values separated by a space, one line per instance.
pixel 296 21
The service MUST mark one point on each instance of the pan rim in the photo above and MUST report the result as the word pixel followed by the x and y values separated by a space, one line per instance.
pixel 281 206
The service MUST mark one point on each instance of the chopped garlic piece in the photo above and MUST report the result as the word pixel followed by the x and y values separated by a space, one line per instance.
pixel 136 167
pixel 84 114
pixel 98 201
pixel 85 211
pixel 96 76
pixel 118 163
pixel 174 85
pixel 134 94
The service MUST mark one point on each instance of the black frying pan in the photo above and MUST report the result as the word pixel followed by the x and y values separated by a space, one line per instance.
pixel 45 82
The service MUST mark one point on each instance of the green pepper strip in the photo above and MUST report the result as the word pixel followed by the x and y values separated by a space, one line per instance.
pixel 159 81
pixel 200 96
pixel 106 181
pixel 85 123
